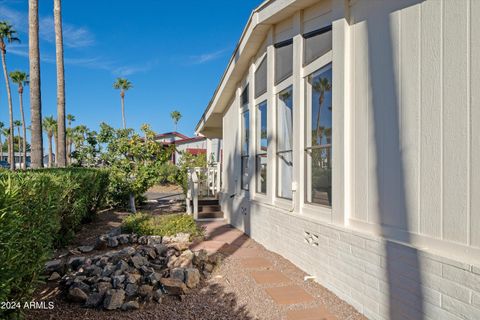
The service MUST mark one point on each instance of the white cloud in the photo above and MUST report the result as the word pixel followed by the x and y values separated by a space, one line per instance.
pixel 206 57
pixel 73 36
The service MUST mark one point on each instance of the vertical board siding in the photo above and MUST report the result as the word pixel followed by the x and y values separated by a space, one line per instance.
pixel 475 123
pixel 429 190
pixel 455 117
pixel 431 122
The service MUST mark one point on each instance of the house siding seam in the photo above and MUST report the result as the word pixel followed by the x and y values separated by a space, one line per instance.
pixel 354 266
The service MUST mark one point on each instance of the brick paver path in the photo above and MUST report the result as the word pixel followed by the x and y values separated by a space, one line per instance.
pixel 272 278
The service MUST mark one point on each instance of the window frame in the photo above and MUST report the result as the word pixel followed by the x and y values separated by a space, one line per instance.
pixel 277 151
pixel 258 152
pixel 244 130
pixel 307 149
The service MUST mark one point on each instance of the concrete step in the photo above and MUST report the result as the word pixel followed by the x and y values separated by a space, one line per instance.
pixel 210 215
pixel 209 208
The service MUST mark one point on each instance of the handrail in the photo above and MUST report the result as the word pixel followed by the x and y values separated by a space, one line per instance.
pixel 202 181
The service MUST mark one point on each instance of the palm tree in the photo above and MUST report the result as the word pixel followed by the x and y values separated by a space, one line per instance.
pixel 49 125
pixel 2 127
pixel 60 144
pixel 17 124
pixel 5 132
pixel 176 116
pixel 21 79
pixel 322 85
pixel 8 34
pixel 35 92
pixel 70 119
pixel 123 85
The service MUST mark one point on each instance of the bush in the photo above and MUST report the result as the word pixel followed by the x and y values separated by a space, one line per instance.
pixel 167 225
pixel 186 162
pixel 39 210
pixel 167 173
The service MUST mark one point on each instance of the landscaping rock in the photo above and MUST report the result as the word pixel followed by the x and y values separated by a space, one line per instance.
pixel 101 243
pixel 112 242
pixel 192 277
pixel 132 278
pixel 200 257
pixel 54 276
pixel 115 232
pixel 108 270
pixel 117 281
pixel 208 267
pixel 178 273
pixel 179 237
pixel 183 261
pixel 123 238
pixel 161 249
pixel 174 286
pixel 55 266
pixel 154 278
pixel 76 262
pixel 145 291
pixel 137 261
pixel 94 300
pixel 158 295
pixel 77 295
pixel 121 266
pixel 85 249
pixel 152 240
pixel 114 299
pixel 131 289
pixel 130 305
pixel 103 287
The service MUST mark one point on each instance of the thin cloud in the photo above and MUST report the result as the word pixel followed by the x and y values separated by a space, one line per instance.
pixel 207 57
pixel 73 36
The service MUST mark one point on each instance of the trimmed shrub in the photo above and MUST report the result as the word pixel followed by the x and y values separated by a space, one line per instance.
pixel 40 210
pixel 166 225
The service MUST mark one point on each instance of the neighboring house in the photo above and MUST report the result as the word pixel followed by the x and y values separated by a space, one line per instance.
pixel 196 145
pixel 351 135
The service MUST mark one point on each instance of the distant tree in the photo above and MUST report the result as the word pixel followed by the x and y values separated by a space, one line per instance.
pixel 8 34
pixel 18 124
pixel 122 85
pixel 21 79
pixel 70 119
pixel 49 125
pixel 176 116
pixel 2 127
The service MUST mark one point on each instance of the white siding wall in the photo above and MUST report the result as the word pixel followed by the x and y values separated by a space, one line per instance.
pixel 409 85
pixel 415 67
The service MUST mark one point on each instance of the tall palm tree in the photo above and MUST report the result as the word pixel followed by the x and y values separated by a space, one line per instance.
pixel 69 132
pixel 321 86
pixel 35 92
pixel 123 85
pixel 61 145
pixel 8 34
pixel 49 125
pixel 176 116
pixel 2 127
pixel 17 124
pixel 21 79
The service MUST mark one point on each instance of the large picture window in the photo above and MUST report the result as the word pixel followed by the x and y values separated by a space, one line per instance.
pixel 262 147
pixel 284 143
pixel 244 154
pixel 319 142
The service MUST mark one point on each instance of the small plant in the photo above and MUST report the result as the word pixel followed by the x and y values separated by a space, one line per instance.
pixel 167 225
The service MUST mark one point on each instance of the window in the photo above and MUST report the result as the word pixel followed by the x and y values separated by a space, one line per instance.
pixel 284 143
pixel 283 60
pixel 244 97
pixel 262 147
pixel 319 137
pixel 244 154
pixel 261 78
pixel 316 44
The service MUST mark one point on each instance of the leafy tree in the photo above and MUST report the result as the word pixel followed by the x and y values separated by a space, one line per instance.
pixel 8 34
pixel 134 161
pixel 176 116
pixel 188 160
pixel 21 79
pixel 123 85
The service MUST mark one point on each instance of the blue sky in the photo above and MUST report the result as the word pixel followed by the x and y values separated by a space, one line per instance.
pixel 174 54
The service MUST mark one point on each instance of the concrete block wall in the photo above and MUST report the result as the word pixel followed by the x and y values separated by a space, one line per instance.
pixel 381 279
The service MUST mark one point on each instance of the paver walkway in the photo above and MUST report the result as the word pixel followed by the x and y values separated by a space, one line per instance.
pixel 265 284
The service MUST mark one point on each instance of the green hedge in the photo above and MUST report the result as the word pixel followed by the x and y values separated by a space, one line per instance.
pixel 40 210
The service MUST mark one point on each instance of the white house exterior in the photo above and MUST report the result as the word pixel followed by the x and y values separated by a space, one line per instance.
pixel 377 195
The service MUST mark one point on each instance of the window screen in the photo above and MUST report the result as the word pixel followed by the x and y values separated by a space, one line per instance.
pixel 283 60
pixel 261 78
pixel 316 44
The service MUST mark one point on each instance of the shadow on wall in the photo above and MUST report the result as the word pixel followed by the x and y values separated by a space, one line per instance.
pixel 403 272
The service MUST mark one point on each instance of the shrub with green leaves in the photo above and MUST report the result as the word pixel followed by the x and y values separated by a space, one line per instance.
pixel 40 210
pixel 166 225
